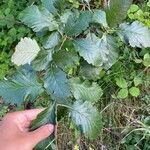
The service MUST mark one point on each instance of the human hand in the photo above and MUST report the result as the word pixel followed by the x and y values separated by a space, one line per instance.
pixel 14 131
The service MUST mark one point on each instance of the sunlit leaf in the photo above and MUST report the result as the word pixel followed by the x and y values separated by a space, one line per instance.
pixel 25 52
pixel 134 91
pixel 123 93
pixel 136 34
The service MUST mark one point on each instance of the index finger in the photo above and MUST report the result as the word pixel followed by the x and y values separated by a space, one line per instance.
pixel 30 114
pixel 22 118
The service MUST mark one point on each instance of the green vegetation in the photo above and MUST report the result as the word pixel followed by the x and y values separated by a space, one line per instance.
pixel 11 30
pixel 87 62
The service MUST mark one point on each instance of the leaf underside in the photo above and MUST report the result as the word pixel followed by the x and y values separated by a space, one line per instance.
pixel 136 34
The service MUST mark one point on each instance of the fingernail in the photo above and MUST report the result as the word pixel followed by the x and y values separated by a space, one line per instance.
pixel 50 127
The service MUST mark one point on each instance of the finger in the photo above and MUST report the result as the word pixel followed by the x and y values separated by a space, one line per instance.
pixel 27 114
pixel 40 134
pixel 30 114
pixel 23 118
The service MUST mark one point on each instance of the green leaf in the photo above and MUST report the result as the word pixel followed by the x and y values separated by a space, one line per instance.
pixel 136 34
pixel 122 94
pixel 52 41
pixel 75 25
pixel 56 84
pixel 88 50
pixel 148 3
pixel 137 80
pixel 90 72
pixel 45 117
pixel 98 51
pixel 42 61
pixel 8 21
pixel 87 118
pixel 108 49
pixel 50 5
pixel 66 15
pixel 53 6
pixel 121 82
pixel 20 86
pixel 85 91
pixel 134 91
pixel 133 8
pixel 146 60
pixel 48 144
pixel 66 59
pixel 99 16
pixel 37 19
pixel 116 11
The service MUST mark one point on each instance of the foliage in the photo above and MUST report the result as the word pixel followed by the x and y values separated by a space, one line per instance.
pixel 84 55
pixel 116 11
pixel 20 87
pixel 4 64
pixel 4 109
pixel 11 31
pixel 142 14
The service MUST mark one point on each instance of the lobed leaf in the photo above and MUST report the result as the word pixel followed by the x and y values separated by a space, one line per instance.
pixel 45 117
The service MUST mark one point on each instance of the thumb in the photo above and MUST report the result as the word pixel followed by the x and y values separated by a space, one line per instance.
pixel 40 134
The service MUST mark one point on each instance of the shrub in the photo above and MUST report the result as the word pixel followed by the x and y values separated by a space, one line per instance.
pixel 78 45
